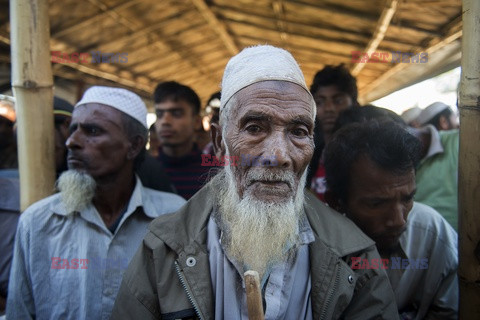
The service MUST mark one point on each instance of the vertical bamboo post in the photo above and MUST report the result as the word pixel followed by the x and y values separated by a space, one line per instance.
pixel 32 84
pixel 469 164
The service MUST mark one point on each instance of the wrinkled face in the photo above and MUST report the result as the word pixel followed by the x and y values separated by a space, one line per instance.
pixel 271 121
pixel 176 123
pixel 330 102
pixel 98 144
pixel 379 201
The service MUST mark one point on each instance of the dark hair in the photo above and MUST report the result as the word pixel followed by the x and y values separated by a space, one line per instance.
pixel 338 76
pixel 133 128
pixel 366 113
pixel 172 90
pixel 435 121
pixel 386 143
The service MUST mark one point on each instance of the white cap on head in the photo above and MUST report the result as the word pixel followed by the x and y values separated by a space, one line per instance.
pixel 256 64
pixel 411 114
pixel 120 99
pixel 431 111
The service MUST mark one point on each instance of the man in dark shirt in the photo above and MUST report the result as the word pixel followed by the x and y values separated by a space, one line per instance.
pixel 177 108
pixel 334 90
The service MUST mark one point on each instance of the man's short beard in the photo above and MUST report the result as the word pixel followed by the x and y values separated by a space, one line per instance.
pixel 77 190
pixel 258 233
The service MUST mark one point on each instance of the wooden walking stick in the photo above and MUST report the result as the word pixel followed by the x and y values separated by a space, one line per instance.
pixel 254 295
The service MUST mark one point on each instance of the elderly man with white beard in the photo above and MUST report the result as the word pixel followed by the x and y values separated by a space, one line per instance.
pixel 256 216
pixel 72 248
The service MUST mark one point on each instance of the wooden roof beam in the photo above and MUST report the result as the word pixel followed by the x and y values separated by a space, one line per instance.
pixel 452 33
pixel 85 23
pixel 279 11
pixel 379 34
pixel 129 82
pixel 151 29
pixel 231 7
pixel 162 41
pixel 217 26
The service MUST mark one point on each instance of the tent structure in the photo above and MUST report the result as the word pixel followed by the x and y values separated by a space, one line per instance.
pixel 190 41
pixel 143 42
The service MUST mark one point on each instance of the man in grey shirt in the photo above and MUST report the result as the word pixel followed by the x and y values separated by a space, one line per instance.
pixel 72 248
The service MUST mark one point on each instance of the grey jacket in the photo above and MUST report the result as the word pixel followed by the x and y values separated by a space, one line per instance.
pixel 169 276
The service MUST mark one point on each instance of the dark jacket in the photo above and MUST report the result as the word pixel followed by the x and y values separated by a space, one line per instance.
pixel 169 276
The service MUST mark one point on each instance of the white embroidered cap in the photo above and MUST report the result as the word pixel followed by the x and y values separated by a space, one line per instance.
pixel 411 114
pixel 120 99
pixel 256 64
pixel 431 111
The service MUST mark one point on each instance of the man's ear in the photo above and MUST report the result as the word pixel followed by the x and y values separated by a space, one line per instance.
pixel 197 122
pixel 136 146
pixel 333 201
pixel 218 146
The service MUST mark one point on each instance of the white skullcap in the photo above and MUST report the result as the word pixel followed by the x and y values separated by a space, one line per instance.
pixel 120 99
pixel 411 114
pixel 256 64
pixel 431 111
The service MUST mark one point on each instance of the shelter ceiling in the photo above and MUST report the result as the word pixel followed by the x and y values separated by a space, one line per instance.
pixel 191 41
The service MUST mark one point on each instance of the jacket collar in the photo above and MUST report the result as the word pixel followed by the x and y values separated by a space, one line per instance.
pixel 189 225
pixel 90 214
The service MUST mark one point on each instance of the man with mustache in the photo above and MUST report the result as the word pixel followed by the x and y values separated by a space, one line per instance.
pixel 370 172
pixel 72 248
pixel 256 216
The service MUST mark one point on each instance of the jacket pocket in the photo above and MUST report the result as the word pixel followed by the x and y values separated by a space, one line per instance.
pixel 187 314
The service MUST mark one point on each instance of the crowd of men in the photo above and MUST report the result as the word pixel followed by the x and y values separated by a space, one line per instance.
pixel 349 212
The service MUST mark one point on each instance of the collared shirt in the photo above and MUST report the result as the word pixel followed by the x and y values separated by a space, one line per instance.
pixel 69 265
pixel 429 280
pixel 286 292
pixel 437 175
pixel 9 215
pixel 435 142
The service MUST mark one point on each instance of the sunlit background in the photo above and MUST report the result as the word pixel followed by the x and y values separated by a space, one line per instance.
pixel 441 88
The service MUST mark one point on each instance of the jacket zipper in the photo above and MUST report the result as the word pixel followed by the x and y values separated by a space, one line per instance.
pixel 331 292
pixel 189 295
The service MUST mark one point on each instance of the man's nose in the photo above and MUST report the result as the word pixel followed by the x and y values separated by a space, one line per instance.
pixel 166 118
pixel 276 151
pixel 397 216
pixel 329 105
pixel 74 140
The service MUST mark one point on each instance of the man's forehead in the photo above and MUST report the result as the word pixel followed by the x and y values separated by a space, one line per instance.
pixel 279 92
pixel 96 112
pixel 173 104
pixel 367 177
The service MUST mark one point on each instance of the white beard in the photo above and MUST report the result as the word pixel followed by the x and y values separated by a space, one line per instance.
pixel 257 233
pixel 77 190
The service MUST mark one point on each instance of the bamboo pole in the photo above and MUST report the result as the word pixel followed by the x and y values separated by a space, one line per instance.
pixel 32 84
pixel 469 164
pixel 254 295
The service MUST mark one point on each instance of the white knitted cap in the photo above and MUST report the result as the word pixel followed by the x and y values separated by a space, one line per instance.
pixel 431 111
pixel 256 64
pixel 411 114
pixel 120 99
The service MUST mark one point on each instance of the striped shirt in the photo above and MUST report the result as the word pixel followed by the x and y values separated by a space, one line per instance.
pixel 186 173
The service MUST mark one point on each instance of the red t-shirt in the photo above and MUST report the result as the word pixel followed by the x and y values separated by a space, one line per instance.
pixel 319 185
